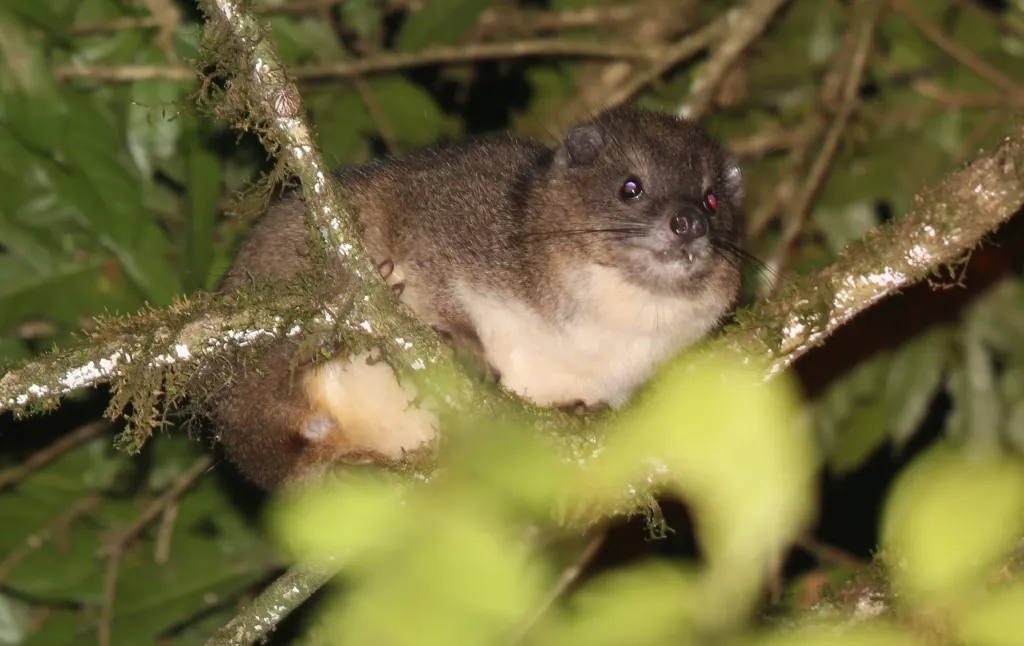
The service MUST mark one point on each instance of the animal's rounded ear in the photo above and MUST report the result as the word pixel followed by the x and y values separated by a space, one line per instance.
pixel 733 176
pixel 581 147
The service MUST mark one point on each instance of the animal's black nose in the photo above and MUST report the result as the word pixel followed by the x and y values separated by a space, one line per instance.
pixel 690 226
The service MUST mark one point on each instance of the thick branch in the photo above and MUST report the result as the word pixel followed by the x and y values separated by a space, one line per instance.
pixel 276 602
pixel 948 220
pixel 384 62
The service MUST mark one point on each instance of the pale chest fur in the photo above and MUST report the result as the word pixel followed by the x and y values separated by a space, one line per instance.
pixel 616 336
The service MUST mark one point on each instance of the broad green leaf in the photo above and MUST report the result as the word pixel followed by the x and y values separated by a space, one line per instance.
pixel 154 122
pixel 61 628
pixel 341 119
pixel 204 190
pixel 842 224
pixel 977 414
pixel 744 461
pixel 39 15
pixel 303 40
pixel 15 620
pixel 645 605
pixel 410 111
pixel 339 521
pixel 427 574
pixel 915 375
pixel 949 518
pixel 437 23
pixel 863 432
pixel 996 619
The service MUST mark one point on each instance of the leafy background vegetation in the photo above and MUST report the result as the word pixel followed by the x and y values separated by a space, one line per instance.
pixel 115 192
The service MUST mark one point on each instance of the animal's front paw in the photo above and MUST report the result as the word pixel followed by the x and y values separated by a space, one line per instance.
pixel 392 276
pixel 469 352
pixel 580 408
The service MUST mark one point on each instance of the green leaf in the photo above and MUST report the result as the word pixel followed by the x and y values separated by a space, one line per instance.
pixel 996 620
pixel 441 22
pixel 341 139
pixel 412 113
pixel 746 471
pixel 363 16
pixel 645 605
pixel 950 517
pixel 886 396
pixel 15 620
pixel 304 39
pixel 862 434
pixel 977 414
pixel 40 15
pixel 915 375
pixel 844 224
pixel 204 189
pixel 154 122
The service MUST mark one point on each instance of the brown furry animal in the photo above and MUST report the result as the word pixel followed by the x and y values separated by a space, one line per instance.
pixel 572 271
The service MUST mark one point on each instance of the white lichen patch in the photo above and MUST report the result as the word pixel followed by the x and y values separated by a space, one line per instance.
pixel 182 352
pixel 241 338
pixel 919 256
pixel 419 365
pixel 227 9
pixel 366 326
pixel 793 330
pixel 91 373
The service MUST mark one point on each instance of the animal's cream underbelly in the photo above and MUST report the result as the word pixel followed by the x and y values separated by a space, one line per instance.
pixel 602 355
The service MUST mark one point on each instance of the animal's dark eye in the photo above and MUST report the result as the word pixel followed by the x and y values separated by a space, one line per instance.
pixel 631 189
pixel 710 203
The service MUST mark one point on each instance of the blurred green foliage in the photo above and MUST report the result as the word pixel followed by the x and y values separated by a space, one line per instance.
pixel 116 194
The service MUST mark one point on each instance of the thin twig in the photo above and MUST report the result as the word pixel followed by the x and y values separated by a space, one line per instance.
pixel 955 50
pixel 114 24
pixel 109 598
pixel 165 537
pixel 277 601
pixel 829 555
pixel 123 537
pixel 568 576
pixel 745 25
pixel 848 104
pixel 764 143
pixel 531 21
pixel 51 451
pixel 382 63
pixel 673 55
pixel 988 13
pixel 54 527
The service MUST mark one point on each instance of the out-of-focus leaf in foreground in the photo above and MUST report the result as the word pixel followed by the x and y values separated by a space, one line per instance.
pixel 951 516
pixel 740 451
pixel 456 548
